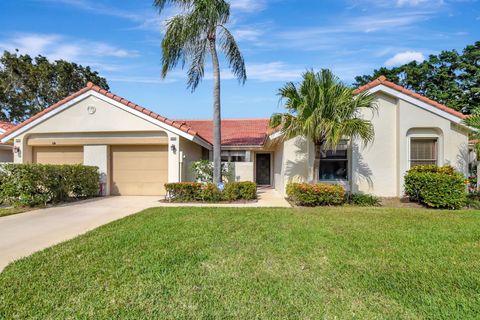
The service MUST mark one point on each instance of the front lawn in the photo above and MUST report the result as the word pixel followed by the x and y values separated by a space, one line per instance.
pixel 257 263
pixel 12 210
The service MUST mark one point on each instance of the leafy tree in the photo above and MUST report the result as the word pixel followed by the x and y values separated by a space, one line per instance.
pixel 189 37
pixel 325 110
pixel 29 85
pixel 450 78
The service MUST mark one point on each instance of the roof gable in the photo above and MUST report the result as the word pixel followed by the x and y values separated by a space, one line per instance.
pixel 382 81
pixel 92 89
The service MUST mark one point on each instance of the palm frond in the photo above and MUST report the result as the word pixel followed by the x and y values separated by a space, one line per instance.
pixel 325 110
pixel 234 56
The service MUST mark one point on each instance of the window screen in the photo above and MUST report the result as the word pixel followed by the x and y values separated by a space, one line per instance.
pixel 423 151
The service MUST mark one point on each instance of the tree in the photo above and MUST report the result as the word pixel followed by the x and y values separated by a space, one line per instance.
pixel 29 85
pixel 324 110
pixel 450 78
pixel 189 37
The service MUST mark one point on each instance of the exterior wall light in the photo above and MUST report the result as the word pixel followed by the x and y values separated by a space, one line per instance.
pixel 173 148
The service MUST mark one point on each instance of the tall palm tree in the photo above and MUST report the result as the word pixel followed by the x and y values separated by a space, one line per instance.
pixel 325 110
pixel 189 36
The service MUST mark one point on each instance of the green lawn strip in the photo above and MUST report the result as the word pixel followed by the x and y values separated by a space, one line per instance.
pixel 12 210
pixel 179 263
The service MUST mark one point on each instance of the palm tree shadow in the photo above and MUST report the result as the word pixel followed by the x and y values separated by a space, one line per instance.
pixel 361 171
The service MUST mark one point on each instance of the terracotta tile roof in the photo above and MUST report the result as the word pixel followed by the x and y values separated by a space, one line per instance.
pixel 382 80
pixel 235 132
pixel 90 86
pixel 6 125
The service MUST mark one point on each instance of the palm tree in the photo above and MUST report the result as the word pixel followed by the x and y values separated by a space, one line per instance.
pixel 189 36
pixel 325 110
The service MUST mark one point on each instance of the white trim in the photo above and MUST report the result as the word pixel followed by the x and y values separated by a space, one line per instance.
pixel 275 135
pixel 419 103
pixel 112 102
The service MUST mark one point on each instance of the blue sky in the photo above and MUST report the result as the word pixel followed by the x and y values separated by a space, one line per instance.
pixel 279 39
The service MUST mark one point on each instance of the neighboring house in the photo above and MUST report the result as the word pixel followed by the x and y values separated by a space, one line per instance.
pixel 138 151
pixel 6 149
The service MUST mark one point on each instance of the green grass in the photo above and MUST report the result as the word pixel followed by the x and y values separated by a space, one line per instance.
pixel 9 211
pixel 332 263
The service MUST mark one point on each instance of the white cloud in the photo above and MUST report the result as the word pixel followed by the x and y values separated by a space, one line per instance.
pixel 248 5
pixel 267 72
pixel 405 57
pixel 414 3
pixel 56 47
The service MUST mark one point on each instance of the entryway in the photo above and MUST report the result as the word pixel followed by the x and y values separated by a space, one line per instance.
pixel 263 169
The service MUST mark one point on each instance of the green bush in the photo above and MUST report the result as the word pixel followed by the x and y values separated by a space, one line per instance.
pixel 240 191
pixel 363 200
pixel 210 193
pixel 183 191
pixel 37 184
pixel 436 187
pixel 304 194
pixel 192 191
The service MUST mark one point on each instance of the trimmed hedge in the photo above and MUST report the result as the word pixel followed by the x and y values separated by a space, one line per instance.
pixel 436 187
pixel 363 200
pixel 183 191
pixel 310 195
pixel 192 191
pixel 240 191
pixel 37 184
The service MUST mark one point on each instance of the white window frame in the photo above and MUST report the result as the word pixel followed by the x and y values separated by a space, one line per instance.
pixel 414 136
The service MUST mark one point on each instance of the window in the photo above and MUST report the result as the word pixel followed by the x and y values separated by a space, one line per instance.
pixel 334 162
pixel 423 151
pixel 234 156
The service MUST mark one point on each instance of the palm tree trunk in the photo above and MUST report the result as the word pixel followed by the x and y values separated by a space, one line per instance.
pixel 217 121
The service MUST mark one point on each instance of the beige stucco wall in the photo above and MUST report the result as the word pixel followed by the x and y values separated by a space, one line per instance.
pixel 243 171
pixel 379 168
pixel 374 167
pixel 107 120
pixel 293 162
pixel 190 152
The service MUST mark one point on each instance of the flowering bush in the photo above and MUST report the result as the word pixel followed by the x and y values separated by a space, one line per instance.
pixel 203 170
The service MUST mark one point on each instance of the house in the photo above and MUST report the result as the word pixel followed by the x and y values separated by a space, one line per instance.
pixel 137 150
pixel 6 149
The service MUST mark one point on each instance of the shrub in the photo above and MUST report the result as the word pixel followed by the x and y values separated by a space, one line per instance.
pixel 304 194
pixel 183 191
pixel 37 184
pixel 363 200
pixel 240 191
pixel 210 193
pixel 473 201
pixel 436 187
pixel 192 191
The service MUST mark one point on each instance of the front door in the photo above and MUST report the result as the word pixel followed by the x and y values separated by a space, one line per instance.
pixel 263 169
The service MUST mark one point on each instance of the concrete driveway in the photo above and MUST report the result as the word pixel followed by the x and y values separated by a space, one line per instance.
pixel 26 233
